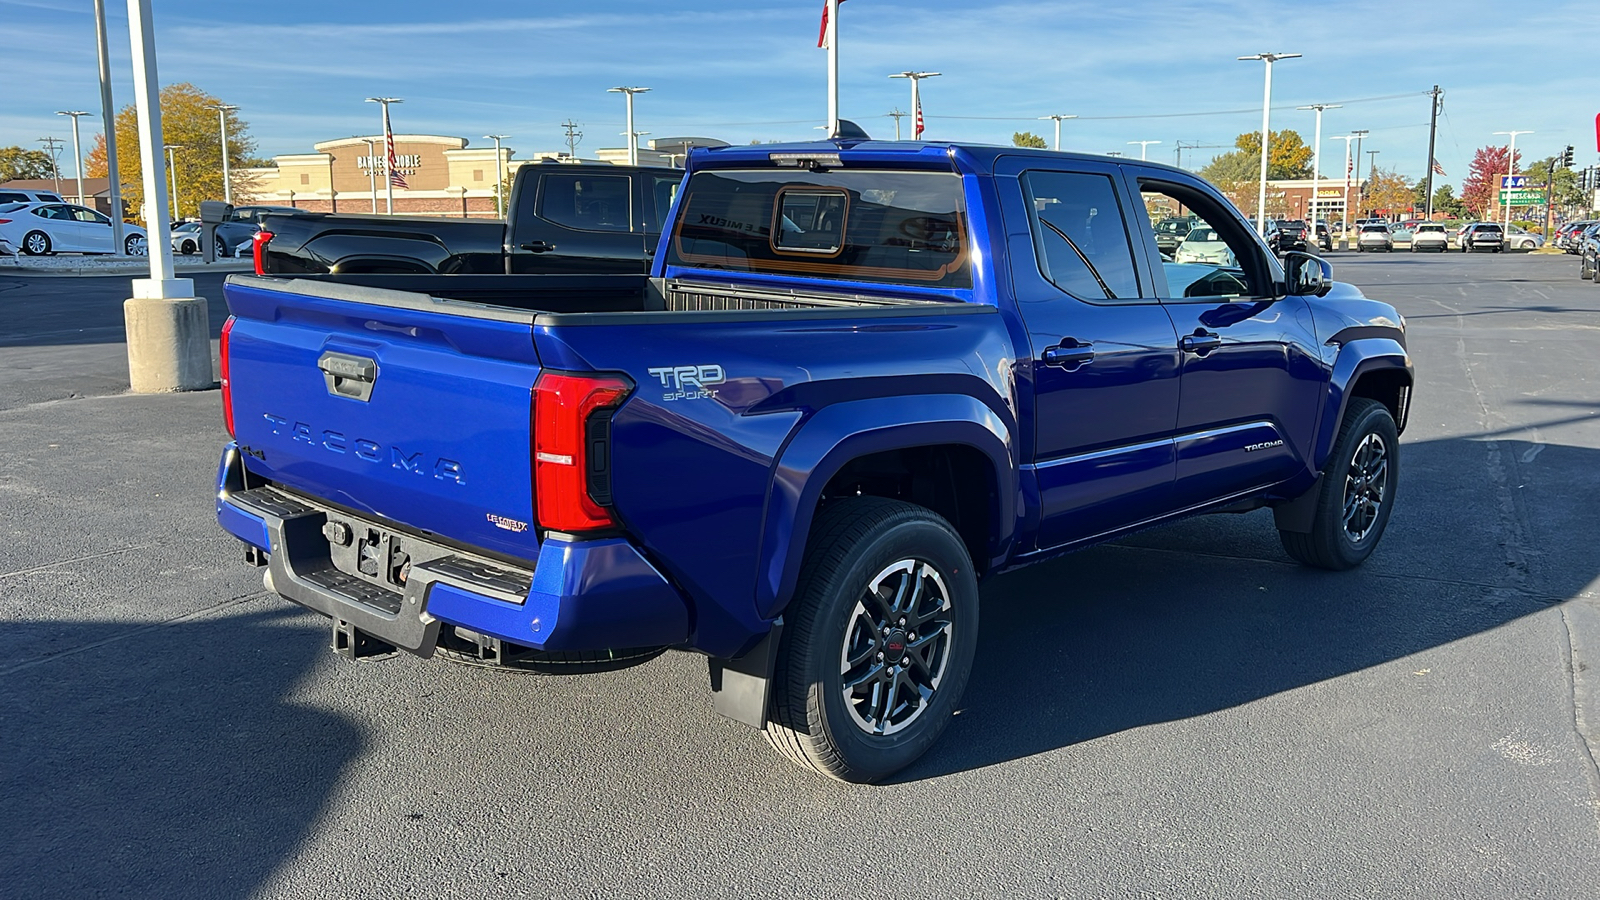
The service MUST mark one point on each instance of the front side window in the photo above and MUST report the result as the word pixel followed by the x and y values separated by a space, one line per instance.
pixel 874 226
pixel 1079 235
pixel 666 190
pixel 1219 258
pixel 89 215
pixel 587 202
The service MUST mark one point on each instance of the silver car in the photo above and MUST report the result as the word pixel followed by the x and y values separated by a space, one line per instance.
pixel 1429 236
pixel 1374 238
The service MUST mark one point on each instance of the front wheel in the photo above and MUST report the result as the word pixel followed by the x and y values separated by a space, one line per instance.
pixel 878 642
pixel 1356 491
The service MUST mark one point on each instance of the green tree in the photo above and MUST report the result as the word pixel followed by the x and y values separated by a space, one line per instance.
pixel 1565 192
pixel 187 123
pixel 1446 201
pixel 1028 139
pixel 16 162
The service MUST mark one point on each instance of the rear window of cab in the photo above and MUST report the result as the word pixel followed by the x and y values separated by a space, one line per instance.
pixel 874 226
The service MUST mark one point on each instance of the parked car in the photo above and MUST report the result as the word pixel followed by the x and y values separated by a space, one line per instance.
pixel 1430 236
pixel 1519 238
pixel 1287 234
pixel 1374 237
pixel 796 451
pixel 1588 243
pixel 562 219
pixel 1205 245
pixel 1568 233
pixel 1170 232
pixel 17 195
pixel 1324 236
pixel 186 238
pixel 42 229
pixel 1483 236
pixel 189 237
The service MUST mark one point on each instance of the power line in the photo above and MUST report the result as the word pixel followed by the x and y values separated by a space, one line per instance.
pixel 1215 112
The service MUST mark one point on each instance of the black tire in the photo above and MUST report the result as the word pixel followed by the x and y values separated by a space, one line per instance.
pixel 36 243
pixel 1331 544
pixel 516 658
pixel 855 544
pixel 188 247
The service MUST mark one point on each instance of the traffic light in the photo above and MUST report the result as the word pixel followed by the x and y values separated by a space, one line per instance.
pixel 1566 156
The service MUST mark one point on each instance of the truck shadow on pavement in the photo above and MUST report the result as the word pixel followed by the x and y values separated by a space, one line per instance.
pixel 1208 614
pixel 171 764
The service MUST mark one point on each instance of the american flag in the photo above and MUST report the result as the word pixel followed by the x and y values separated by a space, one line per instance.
pixel 822 36
pixel 916 132
pixel 1438 169
pixel 389 161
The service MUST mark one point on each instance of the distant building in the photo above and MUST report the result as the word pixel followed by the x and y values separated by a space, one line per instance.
pixel 444 176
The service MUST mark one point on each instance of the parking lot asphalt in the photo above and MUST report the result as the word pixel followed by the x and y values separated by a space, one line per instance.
pixel 1181 713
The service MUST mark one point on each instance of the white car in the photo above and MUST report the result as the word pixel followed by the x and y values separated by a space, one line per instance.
pixel 1204 245
pixel 186 238
pixel 1429 236
pixel 1374 237
pixel 40 229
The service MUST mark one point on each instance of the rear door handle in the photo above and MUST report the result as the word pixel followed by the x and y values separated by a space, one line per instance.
pixel 538 246
pixel 1201 342
pixel 1065 356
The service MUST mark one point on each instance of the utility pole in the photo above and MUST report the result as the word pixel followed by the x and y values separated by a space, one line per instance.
pixel 108 115
pixel 388 152
pixel 1359 133
pixel 1433 132
pixel 1344 228
pixel 1316 159
pixel 1372 166
pixel 77 152
pixel 1511 163
pixel 227 182
pixel 916 98
pixel 54 145
pixel 172 166
pixel 1057 117
pixel 499 174
pixel 1144 147
pixel 1266 133
pixel 633 136
pixel 573 137
pixel 830 39
pixel 897 115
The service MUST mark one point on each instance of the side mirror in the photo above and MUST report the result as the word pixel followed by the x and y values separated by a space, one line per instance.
pixel 1306 275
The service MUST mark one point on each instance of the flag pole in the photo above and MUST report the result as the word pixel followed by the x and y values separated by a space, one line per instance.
pixel 833 67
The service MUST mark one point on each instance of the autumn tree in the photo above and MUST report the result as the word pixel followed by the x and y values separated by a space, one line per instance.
pixel 1028 139
pixel 1237 175
pixel 1387 192
pixel 1480 187
pixel 17 162
pixel 187 123
pixel 1289 157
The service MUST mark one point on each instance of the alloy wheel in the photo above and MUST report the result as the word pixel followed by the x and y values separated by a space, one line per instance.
pixel 1365 487
pixel 896 646
pixel 135 245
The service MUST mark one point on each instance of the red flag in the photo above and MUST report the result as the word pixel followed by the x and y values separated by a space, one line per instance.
pixel 916 133
pixel 822 36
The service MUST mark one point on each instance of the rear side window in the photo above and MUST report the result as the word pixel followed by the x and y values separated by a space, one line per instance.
pixel 13 197
pixel 666 189
pixel 587 202
pixel 875 226
pixel 1081 239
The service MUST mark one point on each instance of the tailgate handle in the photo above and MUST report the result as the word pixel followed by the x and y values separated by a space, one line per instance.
pixel 348 376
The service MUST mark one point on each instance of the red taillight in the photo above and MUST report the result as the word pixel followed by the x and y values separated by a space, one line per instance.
pixel 258 247
pixel 571 460
pixel 5 221
pixel 227 387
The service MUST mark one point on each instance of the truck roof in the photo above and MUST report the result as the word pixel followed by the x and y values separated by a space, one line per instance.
pixel 983 155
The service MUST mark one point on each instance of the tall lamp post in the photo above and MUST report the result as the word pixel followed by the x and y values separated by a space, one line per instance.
pixel 1511 164
pixel 499 173
pixel 1057 117
pixel 1344 230
pixel 222 122
pixel 172 165
pixel 1144 147
pixel 633 136
pixel 1316 159
pixel 1266 132
pixel 108 115
pixel 388 136
pixel 77 154
pixel 916 98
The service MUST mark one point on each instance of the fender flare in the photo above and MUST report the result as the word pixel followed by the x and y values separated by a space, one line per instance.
pixel 1356 359
pixel 842 432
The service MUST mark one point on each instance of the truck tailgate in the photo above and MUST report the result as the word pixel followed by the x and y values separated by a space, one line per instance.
pixel 393 405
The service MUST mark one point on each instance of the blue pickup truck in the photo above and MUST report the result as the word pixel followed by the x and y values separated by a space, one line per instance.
pixel 861 378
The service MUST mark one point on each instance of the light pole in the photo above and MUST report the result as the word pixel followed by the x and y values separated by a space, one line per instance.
pixel 172 165
pixel 1057 117
pixel 633 136
pixel 1266 133
pixel 1344 230
pixel 108 115
pixel 222 121
pixel 499 173
pixel 1511 163
pixel 388 151
pixel 1144 147
pixel 1316 158
pixel 916 98
pixel 77 154
pixel 372 171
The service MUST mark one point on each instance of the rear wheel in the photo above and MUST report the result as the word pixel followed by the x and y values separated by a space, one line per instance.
pixel 135 245
pixel 36 243
pixel 878 642
pixel 1356 491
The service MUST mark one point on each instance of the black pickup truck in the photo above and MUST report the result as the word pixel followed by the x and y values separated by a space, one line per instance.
pixel 563 218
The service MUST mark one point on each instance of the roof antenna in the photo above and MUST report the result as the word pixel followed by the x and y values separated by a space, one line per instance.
pixel 850 131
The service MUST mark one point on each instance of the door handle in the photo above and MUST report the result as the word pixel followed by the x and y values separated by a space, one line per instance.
pixel 1064 356
pixel 538 246
pixel 1201 342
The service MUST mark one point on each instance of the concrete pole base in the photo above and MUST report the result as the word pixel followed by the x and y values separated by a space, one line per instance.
pixel 169 345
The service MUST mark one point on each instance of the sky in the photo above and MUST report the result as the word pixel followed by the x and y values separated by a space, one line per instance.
pixel 744 71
